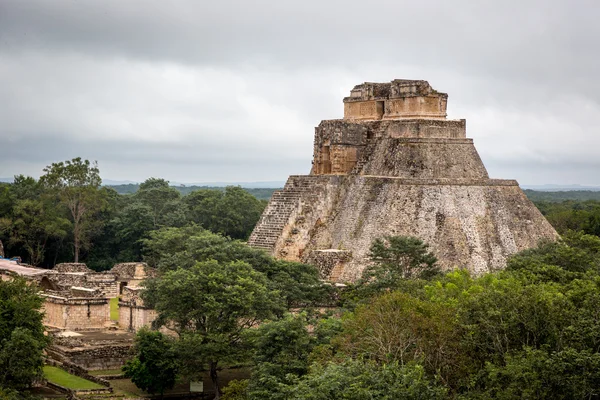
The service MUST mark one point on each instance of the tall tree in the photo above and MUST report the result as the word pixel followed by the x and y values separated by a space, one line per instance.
pixel 77 183
pixel 154 366
pixel 22 338
pixel 209 306
pixel 232 213
pixel 163 201
pixel 33 225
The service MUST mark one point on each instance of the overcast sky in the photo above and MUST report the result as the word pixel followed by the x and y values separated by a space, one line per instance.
pixel 231 90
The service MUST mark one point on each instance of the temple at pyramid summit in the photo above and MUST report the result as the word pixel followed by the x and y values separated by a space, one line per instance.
pixel 395 165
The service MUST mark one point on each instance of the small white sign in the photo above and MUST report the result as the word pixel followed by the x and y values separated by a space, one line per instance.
pixel 197 387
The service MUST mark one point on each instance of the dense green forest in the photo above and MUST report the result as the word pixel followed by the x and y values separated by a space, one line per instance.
pixel 68 216
pixel 555 197
pixel 130 188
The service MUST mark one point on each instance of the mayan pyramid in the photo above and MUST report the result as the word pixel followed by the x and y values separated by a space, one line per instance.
pixel 394 165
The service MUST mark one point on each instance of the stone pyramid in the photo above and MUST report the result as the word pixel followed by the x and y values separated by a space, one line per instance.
pixel 394 165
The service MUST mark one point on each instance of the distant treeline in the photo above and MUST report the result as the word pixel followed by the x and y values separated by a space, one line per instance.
pixel 259 193
pixel 555 197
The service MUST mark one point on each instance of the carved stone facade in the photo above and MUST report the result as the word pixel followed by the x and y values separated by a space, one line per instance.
pixel 400 99
pixel 398 169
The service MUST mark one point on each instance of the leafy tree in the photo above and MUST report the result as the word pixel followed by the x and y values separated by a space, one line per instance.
pixel 154 366
pixel 395 260
pixel 22 338
pixel 537 374
pixel 210 305
pixel 398 327
pixel 76 183
pixel 400 257
pixel 162 201
pixel 33 225
pixel 358 380
pixel 171 248
pixel 236 390
pixel 233 212
pixel 281 353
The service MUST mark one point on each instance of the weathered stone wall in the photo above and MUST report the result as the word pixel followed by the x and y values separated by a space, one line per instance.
pixel 71 267
pixel 395 100
pixel 133 317
pixel 94 357
pixel 106 282
pixel 473 224
pixel 132 270
pixel 342 147
pixel 76 313
pixel 133 314
pixel 424 158
pixel 331 262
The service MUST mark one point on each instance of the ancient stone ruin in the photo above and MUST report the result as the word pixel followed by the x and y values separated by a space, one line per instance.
pixel 394 165
pixel 77 311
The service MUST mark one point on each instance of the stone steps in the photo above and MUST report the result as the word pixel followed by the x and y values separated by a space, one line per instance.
pixel 336 273
pixel 367 152
pixel 281 206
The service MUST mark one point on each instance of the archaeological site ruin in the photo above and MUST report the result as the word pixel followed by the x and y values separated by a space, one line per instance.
pixel 77 310
pixel 394 165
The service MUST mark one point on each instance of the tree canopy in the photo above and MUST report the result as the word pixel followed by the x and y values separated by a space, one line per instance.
pixel 22 338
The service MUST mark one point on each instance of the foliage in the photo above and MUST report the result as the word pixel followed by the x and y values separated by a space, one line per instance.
pixel 573 215
pixel 210 305
pixel 562 196
pixel 358 380
pixel 233 212
pixel 22 338
pixel 154 366
pixel 259 193
pixel 236 390
pixel 76 183
pixel 281 352
pixel 172 248
pixel 397 263
pixel 40 219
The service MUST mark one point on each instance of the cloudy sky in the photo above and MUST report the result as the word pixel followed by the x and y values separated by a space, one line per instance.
pixel 231 90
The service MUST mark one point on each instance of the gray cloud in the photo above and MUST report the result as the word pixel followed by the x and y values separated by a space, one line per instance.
pixel 231 90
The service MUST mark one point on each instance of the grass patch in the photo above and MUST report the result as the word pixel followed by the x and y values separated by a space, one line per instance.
pixel 63 378
pixel 106 372
pixel 114 309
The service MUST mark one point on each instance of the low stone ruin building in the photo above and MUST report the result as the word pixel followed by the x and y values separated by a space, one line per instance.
pixel 77 309
pixel 131 274
pixel 394 165
pixel 133 314
pixel 92 350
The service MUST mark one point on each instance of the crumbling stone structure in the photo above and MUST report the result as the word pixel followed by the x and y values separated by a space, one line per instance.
pixel 92 350
pixel 133 314
pixel 396 166
pixel 76 313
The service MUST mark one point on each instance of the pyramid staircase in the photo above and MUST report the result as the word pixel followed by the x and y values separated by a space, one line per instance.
pixel 279 210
